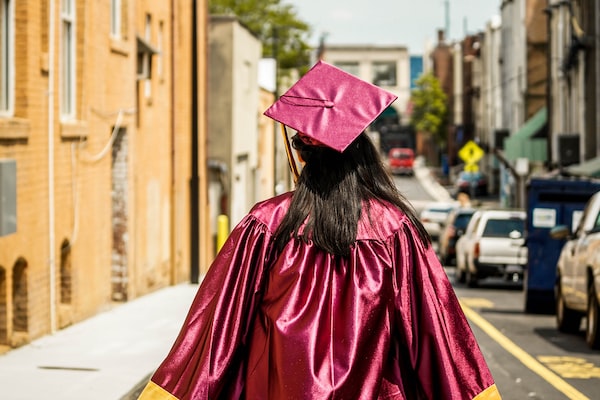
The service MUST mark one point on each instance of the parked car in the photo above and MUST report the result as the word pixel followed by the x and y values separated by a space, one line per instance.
pixel 433 217
pixel 473 183
pixel 492 246
pixel 577 290
pixel 401 161
pixel 454 227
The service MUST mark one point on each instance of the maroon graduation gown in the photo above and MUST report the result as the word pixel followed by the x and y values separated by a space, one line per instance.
pixel 382 324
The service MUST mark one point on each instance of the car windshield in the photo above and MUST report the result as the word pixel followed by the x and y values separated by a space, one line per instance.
pixel 441 210
pixel 462 220
pixel 470 176
pixel 503 227
pixel 401 154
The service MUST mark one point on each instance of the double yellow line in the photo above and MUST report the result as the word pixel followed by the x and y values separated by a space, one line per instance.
pixel 523 356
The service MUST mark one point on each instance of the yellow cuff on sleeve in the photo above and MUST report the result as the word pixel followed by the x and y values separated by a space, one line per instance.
pixel 154 392
pixel 491 393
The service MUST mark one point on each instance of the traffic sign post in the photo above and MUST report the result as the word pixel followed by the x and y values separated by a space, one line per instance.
pixel 470 153
pixel 471 167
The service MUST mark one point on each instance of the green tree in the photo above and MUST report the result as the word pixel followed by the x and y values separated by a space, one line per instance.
pixel 429 107
pixel 283 35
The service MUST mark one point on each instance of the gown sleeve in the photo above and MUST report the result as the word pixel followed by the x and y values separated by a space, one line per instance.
pixel 435 353
pixel 206 360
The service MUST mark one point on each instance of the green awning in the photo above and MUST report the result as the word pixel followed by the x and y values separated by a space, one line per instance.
pixel 389 112
pixel 589 168
pixel 524 144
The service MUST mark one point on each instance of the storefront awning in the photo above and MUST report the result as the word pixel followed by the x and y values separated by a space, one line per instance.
pixel 524 143
pixel 590 168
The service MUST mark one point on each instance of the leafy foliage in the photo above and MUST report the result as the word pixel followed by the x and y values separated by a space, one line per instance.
pixel 283 35
pixel 429 107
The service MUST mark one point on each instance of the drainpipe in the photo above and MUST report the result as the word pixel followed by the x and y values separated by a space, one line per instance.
pixel 549 88
pixel 51 238
pixel 194 182
pixel 560 94
pixel 172 229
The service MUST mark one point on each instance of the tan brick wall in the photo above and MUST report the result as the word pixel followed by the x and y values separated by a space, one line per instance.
pixel 156 162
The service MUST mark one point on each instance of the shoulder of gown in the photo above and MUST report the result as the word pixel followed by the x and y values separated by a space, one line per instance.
pixel 270 212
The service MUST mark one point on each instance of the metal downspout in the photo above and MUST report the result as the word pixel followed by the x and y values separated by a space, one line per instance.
pixel 194 181
pixel 549 87
pixel 173 232
pixel 51 223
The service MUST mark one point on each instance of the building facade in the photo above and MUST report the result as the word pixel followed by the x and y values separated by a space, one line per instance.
pixel 96 126
pixel 234 57
pixel 574 82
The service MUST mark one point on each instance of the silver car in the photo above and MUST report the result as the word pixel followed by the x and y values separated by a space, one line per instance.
pixel 577 290
pixel 433 217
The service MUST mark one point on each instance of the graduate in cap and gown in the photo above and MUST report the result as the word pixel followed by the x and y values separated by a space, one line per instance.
pixel 332 290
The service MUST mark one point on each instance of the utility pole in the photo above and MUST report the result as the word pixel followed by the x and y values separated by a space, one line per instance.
pixel 447 16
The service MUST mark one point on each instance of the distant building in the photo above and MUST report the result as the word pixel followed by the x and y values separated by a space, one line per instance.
pixel 235 105
pixel 416 70
pixel 385 66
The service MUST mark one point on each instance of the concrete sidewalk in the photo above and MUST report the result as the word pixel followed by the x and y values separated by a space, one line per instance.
pixel 104 357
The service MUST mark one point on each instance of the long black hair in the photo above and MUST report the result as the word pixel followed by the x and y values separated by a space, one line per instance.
pixel 330 193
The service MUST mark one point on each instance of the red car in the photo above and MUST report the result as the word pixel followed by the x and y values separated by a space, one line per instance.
pixel 401 160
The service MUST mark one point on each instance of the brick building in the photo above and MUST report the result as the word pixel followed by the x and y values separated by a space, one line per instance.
pixel 99 142
pixel 442 64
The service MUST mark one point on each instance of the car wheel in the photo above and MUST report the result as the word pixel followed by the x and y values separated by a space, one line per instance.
pixel 444 260
pixel 592 331
pixel 567 320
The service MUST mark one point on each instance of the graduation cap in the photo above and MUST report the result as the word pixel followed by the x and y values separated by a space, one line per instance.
pixel 330 106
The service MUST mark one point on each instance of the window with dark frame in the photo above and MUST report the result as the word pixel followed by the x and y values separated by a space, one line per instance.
pixel 6 56
pixel 384 73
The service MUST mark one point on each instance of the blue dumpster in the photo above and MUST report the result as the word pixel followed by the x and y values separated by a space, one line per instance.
pixel 550 202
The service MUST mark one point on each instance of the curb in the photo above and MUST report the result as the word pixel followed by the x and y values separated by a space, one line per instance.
pixel 431 185
pixel 134 393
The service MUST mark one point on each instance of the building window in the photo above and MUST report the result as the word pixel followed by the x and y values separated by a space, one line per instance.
pixel 19 297
pixel 384 73
pixel 349 67
pixel 115 18
pixel 6 57
pixel 160 67
pixel 148 58
pixel 66 274
pixel 67 17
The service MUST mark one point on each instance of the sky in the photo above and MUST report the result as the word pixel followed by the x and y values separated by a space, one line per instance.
pixel 410 23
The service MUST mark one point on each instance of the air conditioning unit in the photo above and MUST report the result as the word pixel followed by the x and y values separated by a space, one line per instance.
pixel 499 136
pixel 568 149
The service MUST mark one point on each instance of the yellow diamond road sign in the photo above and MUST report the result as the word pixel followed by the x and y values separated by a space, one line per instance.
pixel 470 153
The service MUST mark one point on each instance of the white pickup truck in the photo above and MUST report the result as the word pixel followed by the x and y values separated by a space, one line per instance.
pixel 577 290
pixel 492 246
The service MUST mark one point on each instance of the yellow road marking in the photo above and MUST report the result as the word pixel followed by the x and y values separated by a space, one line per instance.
pixel 477 302
pixel 571 367
pixel 527 360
